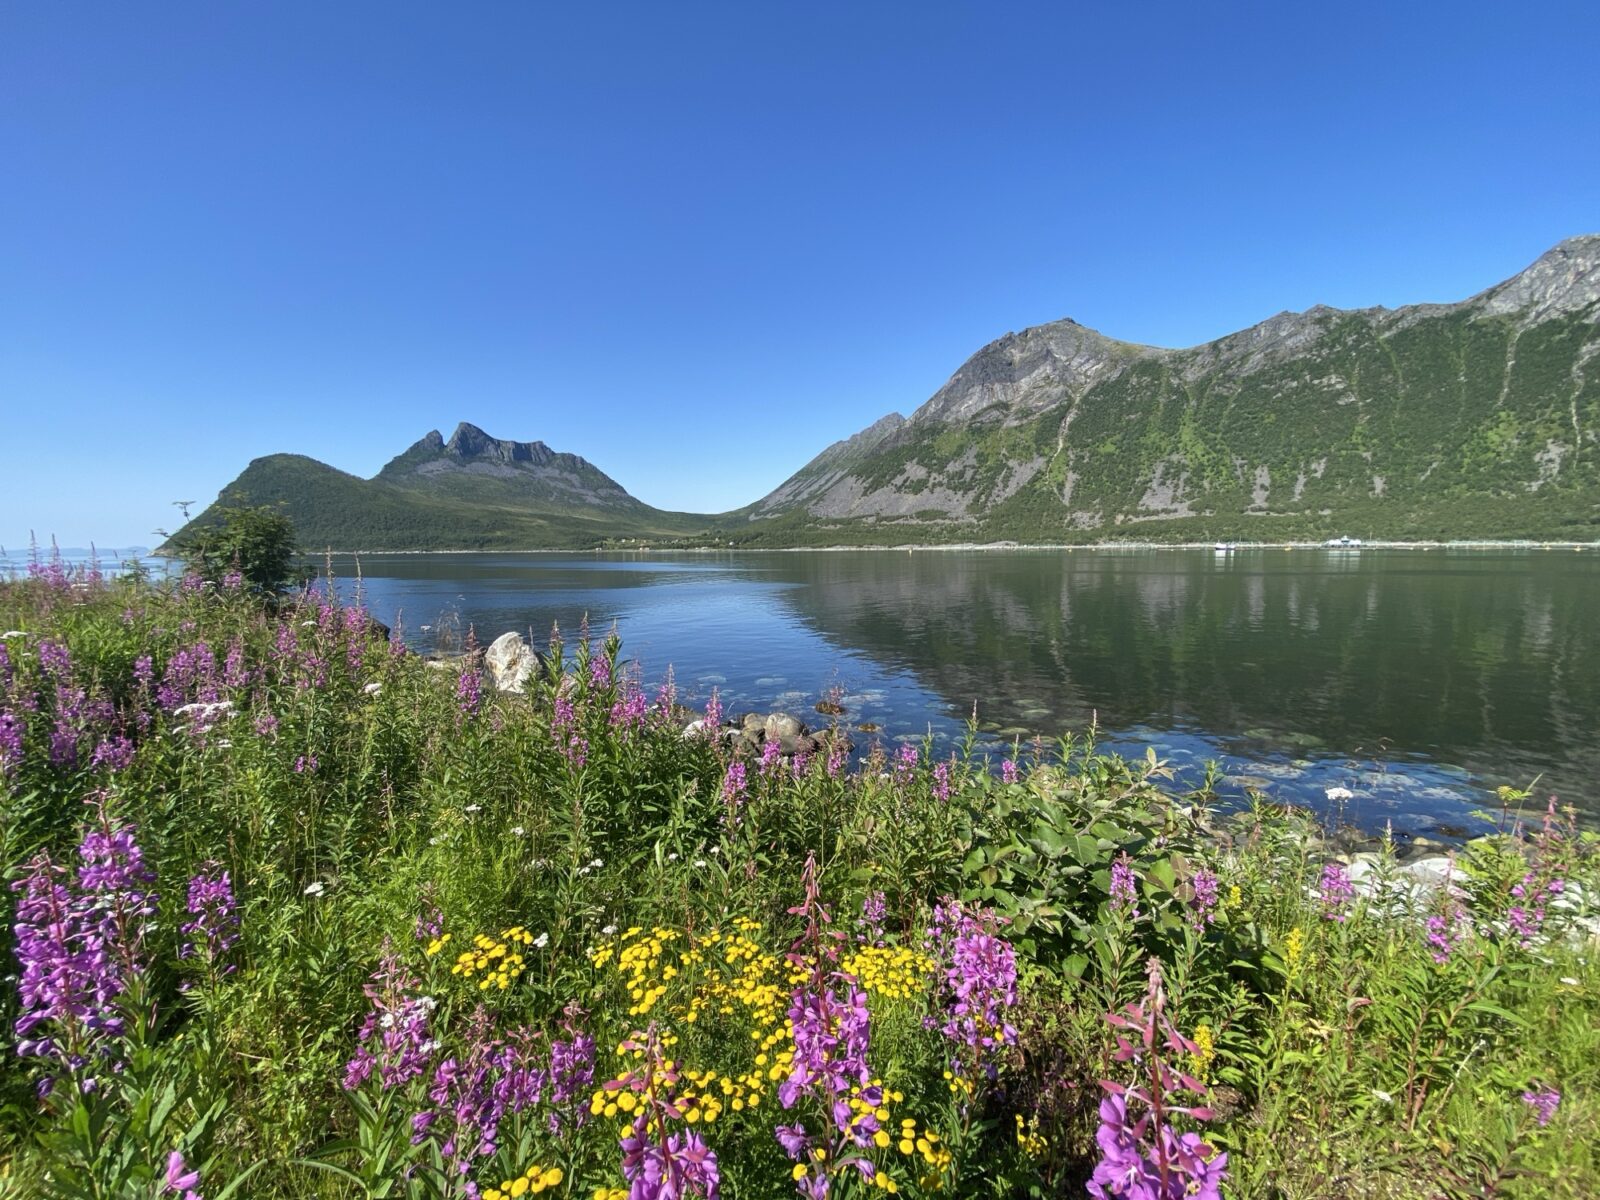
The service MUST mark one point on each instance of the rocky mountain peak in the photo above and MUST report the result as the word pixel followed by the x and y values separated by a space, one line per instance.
pixel 468 441
pixel 1019 374
pixel 1565 278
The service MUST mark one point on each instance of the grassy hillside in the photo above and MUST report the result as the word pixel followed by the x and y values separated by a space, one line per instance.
pixel 331 509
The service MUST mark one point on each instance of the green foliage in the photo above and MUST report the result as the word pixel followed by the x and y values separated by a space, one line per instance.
pixel 257 542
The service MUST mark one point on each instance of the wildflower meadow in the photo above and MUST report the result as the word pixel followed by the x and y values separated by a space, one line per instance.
pixel 293 912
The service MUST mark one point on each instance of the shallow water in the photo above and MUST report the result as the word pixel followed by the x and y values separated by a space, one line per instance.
pixel 1418 680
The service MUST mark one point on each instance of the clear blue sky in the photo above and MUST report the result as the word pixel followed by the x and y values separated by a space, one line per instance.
pixel 697 243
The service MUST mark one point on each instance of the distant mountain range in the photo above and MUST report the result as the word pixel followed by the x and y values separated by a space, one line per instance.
pixel 1475 419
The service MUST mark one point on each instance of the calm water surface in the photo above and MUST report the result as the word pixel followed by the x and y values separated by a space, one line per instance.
pixel 1419 680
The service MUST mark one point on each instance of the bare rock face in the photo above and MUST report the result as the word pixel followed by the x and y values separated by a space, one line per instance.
pixel 509 661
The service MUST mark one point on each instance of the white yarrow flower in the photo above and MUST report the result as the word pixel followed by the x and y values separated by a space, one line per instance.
pixel 609 930
pixel 699 862
pixel 517 831
pixel 1339 793
pixel 472 808
pixel 540 942
pixel 373 688
pixel 314 888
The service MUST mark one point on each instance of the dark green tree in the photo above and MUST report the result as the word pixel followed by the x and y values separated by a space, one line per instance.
pixel 256 541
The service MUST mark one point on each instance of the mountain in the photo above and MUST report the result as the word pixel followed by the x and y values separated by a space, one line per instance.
pixel 1480 418
pixel 473 492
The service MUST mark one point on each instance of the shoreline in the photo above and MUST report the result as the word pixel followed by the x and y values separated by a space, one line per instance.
pixel 970 547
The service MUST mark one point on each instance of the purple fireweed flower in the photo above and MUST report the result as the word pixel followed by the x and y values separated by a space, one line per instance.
pixel 1336 892
pixel 874 912
pixel 393 1043
pixel 571 1068
pixel 712 723
pixel 191 584
pixel 1142 1156
pixel 667 695
pixel 12 729
pixel 468 696
pixel 286 645
pixel 1124 892
pixel 683 1167
pixel 630 710
pixel 8 673
pixel 980 984
pixel 1008 771
pixel 771 756
pixel 905 763
pixel 793 1139
pixel 600 672
pixel 1206 888
pixel 981 979
pixel 234 672
pixel 564 716
pixel 733 783
pixel 144 672
pixel 576 751
pixel 179 1178
pixel 1443 936
pixel 1543 1103
pixel 941 782
pixel 114 754
pixel 799 765
pixel 429 923
pixel 214 927
pixel 55 659
pixel 306 764
pixel 472 1093
pixel 1526 917
pixel 77 940
pixel 1131 1160
pixel 112 865
pixel 233 581
pixel 266 725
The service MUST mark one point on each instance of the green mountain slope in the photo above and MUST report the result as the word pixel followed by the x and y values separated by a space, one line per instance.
pixel 473 492
pixel 1474 419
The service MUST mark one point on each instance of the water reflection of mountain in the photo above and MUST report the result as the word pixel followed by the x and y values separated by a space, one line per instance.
pixel 1489 661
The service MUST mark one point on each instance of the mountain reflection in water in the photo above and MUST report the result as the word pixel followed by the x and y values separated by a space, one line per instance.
pixel 1418 679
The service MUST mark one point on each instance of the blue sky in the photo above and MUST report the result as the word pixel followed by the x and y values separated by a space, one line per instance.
pixel 697 243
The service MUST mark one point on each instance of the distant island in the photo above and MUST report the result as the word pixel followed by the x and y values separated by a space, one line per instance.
pixel 1479 419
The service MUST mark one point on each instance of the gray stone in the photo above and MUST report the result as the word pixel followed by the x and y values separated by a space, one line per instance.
pixel 509 661
pixel 782 725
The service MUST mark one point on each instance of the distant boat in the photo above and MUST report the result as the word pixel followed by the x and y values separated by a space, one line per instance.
pixel 1224 547
pixel 1343 543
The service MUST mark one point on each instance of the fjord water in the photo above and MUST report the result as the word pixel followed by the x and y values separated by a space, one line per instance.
pixel 1419 680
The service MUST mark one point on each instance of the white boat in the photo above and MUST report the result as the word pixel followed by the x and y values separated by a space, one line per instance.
pixel 1343 543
